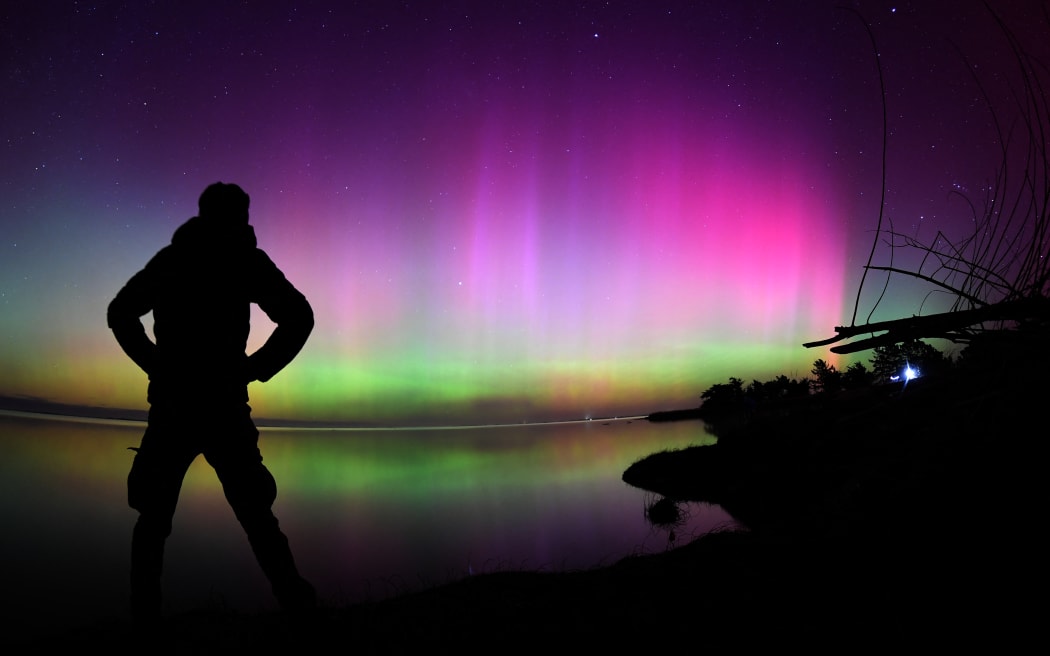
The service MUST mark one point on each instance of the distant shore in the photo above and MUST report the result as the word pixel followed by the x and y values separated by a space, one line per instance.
pixel 675 415
pixel 35 408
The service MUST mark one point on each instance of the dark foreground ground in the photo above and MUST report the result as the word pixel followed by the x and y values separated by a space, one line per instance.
pixel 892 519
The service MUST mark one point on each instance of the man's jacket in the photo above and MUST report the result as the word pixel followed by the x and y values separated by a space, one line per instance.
pixel 200 289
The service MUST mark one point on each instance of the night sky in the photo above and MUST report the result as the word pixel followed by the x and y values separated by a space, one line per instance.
pixel 500 211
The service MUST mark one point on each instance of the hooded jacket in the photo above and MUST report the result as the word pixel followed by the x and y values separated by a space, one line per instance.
pixel 200 289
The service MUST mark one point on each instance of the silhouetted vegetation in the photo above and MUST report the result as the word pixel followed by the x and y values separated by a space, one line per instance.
pixel 856 376
pixel 890 360
pixel 826 378
pixel 733 398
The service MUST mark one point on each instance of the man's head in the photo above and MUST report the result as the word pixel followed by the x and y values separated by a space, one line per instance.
pixel 224 202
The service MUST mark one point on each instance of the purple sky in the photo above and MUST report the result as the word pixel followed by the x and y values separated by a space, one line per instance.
pixel 501 211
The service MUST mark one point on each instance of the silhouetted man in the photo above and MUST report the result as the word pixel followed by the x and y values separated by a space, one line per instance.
pixel 199 289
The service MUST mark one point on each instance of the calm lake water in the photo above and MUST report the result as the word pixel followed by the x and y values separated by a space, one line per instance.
pixel 369 513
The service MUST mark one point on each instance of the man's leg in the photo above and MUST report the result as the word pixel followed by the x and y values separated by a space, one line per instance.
pixel 153 489
pixel 251 490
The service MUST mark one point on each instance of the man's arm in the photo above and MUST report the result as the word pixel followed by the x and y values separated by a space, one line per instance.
pixel 286 307
pixel 123 317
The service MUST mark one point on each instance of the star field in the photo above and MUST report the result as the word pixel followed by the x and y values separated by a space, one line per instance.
pixel 506 211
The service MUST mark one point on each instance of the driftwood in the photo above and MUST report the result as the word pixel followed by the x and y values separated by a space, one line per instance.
pixel 1000 273
pixel 958 326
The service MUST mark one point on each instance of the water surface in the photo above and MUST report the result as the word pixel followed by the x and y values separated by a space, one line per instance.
pixel 369 513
